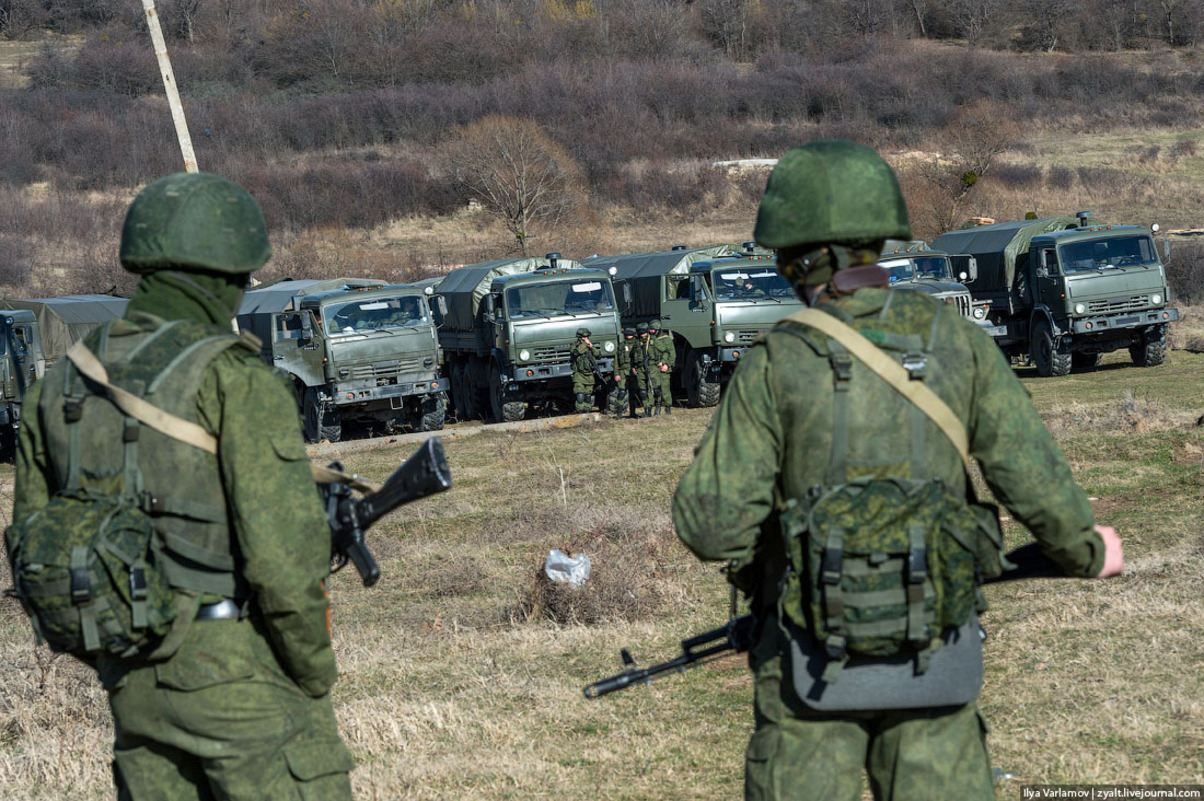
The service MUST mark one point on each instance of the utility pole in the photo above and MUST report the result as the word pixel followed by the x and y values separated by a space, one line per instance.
pixel 169 84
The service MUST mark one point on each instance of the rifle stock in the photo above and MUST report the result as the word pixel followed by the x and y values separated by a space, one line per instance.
pixel 737 635
pixel 424 473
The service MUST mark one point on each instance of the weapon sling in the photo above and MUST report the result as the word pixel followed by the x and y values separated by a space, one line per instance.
pixel 176 427
pixel 892 373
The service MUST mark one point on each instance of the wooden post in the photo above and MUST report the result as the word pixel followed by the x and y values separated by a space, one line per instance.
pixel 169 84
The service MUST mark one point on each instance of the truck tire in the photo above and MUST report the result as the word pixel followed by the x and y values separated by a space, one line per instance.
pixel 1085 361
pixel 1049 360
pixel 699 391
pixel 1148 352
pixel 319 423
pixel 503 411
pixel 433 413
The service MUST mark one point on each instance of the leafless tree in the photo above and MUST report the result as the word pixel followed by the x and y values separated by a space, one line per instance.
pixel 517 173
pixel 973 17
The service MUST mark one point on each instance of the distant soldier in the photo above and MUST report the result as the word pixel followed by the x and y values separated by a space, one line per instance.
pixel 584 361
pixel 662 356
pixel 619 396
pixel 641 367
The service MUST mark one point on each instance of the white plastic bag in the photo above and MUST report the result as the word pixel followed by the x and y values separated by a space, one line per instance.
pixel 564 569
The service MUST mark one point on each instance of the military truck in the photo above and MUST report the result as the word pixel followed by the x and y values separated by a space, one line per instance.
pixel 34 334
pixel 354 349
pixel 715 300
pixel 509 327
pixel 1066 290
pixel 914 266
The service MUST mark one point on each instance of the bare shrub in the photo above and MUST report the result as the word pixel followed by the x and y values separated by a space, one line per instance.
pixel 1060 177
pixel 518 174
pixel 1183 148
pixel 626 583
pixel 15 261
pixel 1018 176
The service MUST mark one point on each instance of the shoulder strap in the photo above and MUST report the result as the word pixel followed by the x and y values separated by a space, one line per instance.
pixel 893 373
pixel 176 427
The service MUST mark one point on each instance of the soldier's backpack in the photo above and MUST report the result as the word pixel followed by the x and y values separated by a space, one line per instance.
pixel 884 570
pixel 87 567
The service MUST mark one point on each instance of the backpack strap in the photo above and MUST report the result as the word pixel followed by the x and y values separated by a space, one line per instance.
pixel 893 373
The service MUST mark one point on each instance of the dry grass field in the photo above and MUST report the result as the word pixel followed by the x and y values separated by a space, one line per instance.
pixel 462 676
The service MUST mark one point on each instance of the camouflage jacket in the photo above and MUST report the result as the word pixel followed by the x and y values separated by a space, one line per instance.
pixel 641 356
pixel 623 358
pixel 584 359
pixel 662 350
pixel 277 526
pixel 770 437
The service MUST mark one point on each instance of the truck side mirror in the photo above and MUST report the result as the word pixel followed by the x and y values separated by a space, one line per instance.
pixel 489 305
pixel 1166 248
pixel 626 296
pixel 307 328
pixel 441 306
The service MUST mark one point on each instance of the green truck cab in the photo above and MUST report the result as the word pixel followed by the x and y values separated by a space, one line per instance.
pixel 914 266
pixel 508 329
pixel 34 334
pixel 354 349
pixel 715 300
pixel 1065 290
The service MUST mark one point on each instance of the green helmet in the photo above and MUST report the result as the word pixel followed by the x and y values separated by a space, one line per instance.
pixel 654 325
pixel 831 191
pixel 628 331
pixel 641 328
pixel 582 332
pixel 194 221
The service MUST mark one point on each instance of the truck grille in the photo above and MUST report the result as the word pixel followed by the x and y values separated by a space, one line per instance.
pixel 961 302
pixel 550 354
pixel 746 337
pixel 385 372
pixel 1118 304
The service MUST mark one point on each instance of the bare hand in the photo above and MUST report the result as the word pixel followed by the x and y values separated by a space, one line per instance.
pixel 1114 552
pixel 664 368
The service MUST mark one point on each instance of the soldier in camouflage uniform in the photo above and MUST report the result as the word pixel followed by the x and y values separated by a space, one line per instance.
pixel 641 367
pixel 585 361
pixel 619 396
pixel 827 209
pixel 663 356
pixel 234 703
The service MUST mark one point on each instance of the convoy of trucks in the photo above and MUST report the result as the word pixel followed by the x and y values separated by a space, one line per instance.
pixel 496 336
pixel 354 349
pixel 715 300
pixel 508 328
pixel 1064 290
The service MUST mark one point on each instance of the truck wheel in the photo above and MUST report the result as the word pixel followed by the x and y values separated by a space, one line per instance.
pixel 320 423
pixel 502 411
pixel 699 391
pixel 1085 361
pixel 1046 356
pixel 1148 352
pixel 433 413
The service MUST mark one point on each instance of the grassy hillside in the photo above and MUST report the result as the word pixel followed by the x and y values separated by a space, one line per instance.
pixel 462 674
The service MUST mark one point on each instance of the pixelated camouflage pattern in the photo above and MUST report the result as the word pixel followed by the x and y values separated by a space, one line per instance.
pixel 116 536
pixel 210 713
pixel 584 361
pixel 798 754
pixel 874 518
pixel 662 351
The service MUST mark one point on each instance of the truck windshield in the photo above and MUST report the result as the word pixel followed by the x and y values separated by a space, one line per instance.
pixel 750 284
pixel 559 297
pixel 916 267
pixel 372 314
pixel 1121 251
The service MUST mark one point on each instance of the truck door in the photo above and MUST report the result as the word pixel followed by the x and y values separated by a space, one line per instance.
pixel 1046 280
pixel 297 346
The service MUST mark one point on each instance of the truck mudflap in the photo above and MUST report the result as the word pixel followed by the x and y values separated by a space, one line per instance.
pixel 346 396
pixel 543 372
pixel 1113 322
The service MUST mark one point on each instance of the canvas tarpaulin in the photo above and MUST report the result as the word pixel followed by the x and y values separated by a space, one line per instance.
pixel 63 321
pixel 464 287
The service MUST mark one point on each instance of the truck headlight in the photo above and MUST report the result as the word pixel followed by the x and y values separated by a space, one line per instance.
pixel 1080 308
pixel 524 355
pixel 979 313
pixel 609 347
pixel 729 337
pixel 1155 298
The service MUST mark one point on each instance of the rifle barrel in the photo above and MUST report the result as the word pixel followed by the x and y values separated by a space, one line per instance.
pixel 424 473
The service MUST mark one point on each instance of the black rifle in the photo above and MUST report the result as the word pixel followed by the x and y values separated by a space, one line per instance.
pixel 737 635
pixel 423 474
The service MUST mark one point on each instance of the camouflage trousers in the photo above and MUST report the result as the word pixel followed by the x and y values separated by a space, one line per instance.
pixel 583 392
pixel 658 382
pixel 221 720
pixel 909 755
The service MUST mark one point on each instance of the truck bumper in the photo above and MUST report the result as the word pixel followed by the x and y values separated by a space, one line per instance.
pixel 354 397
pixel 995 331
pixel 1112 322
pixel 542 372
pixel 732 354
